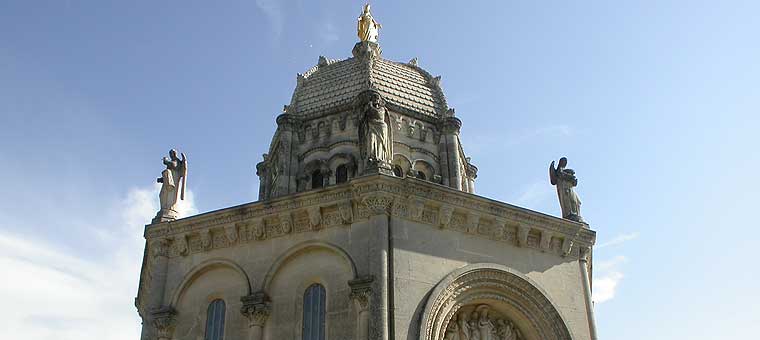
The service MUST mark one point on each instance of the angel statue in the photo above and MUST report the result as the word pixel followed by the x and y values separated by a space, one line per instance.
pixel 367 27
pixel 564 179
pixel 173 181
pixel 374 131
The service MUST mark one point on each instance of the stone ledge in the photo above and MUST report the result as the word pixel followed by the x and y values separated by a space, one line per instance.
pixel 340 205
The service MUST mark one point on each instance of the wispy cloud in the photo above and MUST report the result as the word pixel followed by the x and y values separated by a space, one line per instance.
pixel 274 13
pixel 607 278
pixel 622 238
pixel 49 293
pixel 534 195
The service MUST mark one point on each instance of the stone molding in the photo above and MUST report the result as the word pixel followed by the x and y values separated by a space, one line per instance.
pixel 340 205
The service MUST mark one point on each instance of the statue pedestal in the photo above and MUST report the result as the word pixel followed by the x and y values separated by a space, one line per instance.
pixel 165 215
pixel 378 167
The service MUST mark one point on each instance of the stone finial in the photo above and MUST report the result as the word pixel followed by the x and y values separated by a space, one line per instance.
pixel 413 62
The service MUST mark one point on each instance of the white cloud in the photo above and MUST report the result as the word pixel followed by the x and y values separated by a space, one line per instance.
pixel 48 293
pixel 607 278
pixel 622 238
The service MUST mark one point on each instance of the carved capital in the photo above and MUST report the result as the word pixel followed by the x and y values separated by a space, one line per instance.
pixel 499 230
pixel 377 204
pixel 450 125
pixel 164 321
pixel 522 235
pixel 256 307
pixel 361 292
pixel 444 216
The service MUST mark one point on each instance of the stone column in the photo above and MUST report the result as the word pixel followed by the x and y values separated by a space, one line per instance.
pixel 379 205
pixel 585 254
pixel 158 250
pixel 256 307
pixel 450 137
pixel 164 322
pixel 286 184
pixel 361 294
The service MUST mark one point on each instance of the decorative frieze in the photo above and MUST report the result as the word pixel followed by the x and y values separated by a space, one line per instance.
pixel 414 200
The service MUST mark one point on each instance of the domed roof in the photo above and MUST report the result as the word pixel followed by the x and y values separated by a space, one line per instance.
pixel 332 85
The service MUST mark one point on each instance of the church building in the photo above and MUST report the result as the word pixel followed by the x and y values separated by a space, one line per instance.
pixel 367 227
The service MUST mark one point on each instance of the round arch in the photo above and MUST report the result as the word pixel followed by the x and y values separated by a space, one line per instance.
pixel 492 282
pixel 298 248
pixel 204 267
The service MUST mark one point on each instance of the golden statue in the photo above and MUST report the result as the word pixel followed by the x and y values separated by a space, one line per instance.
pixel 367 27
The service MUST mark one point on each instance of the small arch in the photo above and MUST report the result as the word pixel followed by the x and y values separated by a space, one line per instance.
pixel 302 247
pixel 423 169
pixel 204 267
pixel 341 174
pixel 397 171
pixel 402 163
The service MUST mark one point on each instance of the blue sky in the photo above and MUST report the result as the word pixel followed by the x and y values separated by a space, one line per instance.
pixel 655 103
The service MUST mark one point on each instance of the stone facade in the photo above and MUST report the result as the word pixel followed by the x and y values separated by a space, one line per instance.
pixel 406 254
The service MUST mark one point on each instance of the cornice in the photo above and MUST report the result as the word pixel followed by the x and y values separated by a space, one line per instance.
pixel 340 205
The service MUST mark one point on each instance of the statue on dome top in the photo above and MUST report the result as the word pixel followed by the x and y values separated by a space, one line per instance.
pixel 367 28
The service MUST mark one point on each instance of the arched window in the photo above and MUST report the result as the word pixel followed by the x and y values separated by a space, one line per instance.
pixel 397 171
pixel 314 313
pixel 215 320
pixel 341 174
pixel 421 175
pixel 317 181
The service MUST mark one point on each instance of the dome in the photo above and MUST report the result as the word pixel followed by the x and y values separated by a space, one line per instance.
pixel 332 85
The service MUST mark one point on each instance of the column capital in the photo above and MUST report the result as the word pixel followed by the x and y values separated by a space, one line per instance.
pixel 164 321
pixel 377 203
pixel 361 292
pixel 256 307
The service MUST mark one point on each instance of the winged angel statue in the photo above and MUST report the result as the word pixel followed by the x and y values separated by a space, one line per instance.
pixel 173 182
pixel 564 179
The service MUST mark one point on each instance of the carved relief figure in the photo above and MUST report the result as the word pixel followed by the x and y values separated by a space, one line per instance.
pixel 564 179
pixel 480 323
pixel 367 28
pixel 485 326
pixel 374 130
pixel 173 181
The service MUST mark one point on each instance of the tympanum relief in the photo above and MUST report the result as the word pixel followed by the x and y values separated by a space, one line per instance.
pixel 481 323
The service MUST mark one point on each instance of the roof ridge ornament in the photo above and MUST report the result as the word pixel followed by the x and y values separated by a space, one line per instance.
pixel 368 28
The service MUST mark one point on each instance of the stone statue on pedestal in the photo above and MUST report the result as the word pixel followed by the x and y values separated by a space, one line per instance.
pixel 374 131
pixel 564 179
pixel 367 28
pixel 173 181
